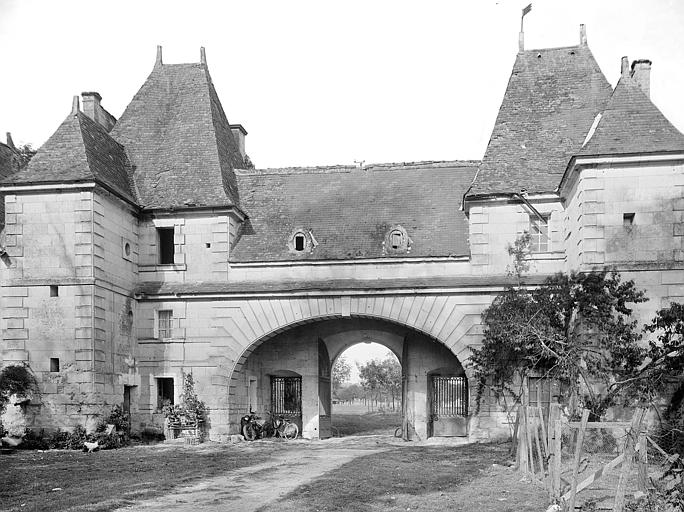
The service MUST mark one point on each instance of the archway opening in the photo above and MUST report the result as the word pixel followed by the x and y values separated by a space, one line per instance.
pixel 307 352
pixel 366 391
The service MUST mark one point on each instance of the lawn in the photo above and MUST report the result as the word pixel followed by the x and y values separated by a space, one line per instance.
pixel 105 480
pixel 347 423
pixel 459 478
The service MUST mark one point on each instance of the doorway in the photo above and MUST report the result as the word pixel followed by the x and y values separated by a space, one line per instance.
pixel 448 406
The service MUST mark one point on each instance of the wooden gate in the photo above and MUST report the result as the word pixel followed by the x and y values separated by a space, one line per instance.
pixel 448 406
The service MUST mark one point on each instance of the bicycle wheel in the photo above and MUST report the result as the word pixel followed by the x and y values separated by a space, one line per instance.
pixel 290 431
pixel 249 432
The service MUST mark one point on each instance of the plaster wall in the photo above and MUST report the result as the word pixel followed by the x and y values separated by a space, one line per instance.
pixel 493 227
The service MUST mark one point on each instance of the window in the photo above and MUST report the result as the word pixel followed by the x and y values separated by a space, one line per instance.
pixel 166 248
pixel 627 219
pixel 539 234
pixel 164 391
pixel 54 290
pixel 54 364
pixel 396 239
pixel 286 395
pixel 299 242
pixel 164 324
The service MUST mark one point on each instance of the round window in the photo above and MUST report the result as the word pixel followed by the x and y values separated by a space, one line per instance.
pixel 127 249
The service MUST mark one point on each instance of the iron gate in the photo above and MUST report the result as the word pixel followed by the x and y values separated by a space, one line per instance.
pixel 286 396
pixel 449 406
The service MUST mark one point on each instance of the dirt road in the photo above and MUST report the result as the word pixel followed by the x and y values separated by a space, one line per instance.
pixel 250 488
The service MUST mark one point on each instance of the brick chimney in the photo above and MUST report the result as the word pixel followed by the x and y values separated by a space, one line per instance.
pixel 93 109
pixel 239 134
pixel 641 73
pixel 624 67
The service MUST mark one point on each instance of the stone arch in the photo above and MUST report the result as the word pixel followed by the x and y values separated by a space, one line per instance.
pixel 240 326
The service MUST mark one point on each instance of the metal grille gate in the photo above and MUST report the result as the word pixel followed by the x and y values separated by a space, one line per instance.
pixel 449 406
pixel 286 395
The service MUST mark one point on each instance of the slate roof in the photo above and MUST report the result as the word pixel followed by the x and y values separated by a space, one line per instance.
pixel 631 124
pixel 350 210
pixel 10 163
pixel 179 140
pixel 552 98
pixel 80 150
pixel 326 285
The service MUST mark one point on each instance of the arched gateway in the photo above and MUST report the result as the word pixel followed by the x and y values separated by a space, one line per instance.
pixel 283 344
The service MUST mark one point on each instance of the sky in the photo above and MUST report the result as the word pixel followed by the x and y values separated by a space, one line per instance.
pixel 361 353
pixel 323 82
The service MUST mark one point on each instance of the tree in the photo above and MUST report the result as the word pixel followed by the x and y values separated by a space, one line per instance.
pixel 350 393
pixel 381 378
pixel 576 329
pixel 26 153
pixel 341 371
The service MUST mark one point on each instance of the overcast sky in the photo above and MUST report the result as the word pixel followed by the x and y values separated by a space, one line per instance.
pixel 322 82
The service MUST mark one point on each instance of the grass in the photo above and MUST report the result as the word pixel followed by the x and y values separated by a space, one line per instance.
pixel 419 478
pixel 355 419
pixel 105 480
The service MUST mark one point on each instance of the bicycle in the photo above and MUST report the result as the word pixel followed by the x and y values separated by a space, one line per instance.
pixel 284 428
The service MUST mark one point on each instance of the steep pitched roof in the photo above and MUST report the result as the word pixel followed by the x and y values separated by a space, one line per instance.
pixel 552 98
pixel 9 161
pixel 80 150
pixel 179 140
pixel 349 210
pixel 631 124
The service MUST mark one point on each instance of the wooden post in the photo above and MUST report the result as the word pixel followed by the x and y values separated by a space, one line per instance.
pixel 528 440
pixel 523 451
pixel 643 463
pixel 557 435
pixel 554 414
pixel 540 411
pixel 514 449
pixel 630 443
pixel 578 456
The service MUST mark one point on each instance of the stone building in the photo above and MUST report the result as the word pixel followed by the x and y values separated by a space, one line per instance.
pixel 146 247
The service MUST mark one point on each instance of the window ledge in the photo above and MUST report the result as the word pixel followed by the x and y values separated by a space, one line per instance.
pixel 555 255
pixel 163 268
pixel 153 341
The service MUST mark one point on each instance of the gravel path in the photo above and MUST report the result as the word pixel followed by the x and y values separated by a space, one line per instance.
pixel 250 488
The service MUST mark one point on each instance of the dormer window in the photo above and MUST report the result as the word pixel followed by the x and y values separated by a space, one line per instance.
pixel 301 241
pixel 396 241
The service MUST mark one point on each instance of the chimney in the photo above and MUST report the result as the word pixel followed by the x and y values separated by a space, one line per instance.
pixel 10 142
pixel 239 134
pixel 521 41
pixel 624 67
pixel 583 35
pixel 203 56
pixel 93 109
pixel 641 73
pixel 158 60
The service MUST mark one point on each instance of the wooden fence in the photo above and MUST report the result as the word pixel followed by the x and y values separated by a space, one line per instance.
pixel 539 448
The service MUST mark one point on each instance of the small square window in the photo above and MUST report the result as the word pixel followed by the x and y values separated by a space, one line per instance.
pixel 539 234
pixel 54 364
pixel 164 391
pixel 164 324
pixel 54 290
pixel 627 219
pixel 166 248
